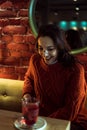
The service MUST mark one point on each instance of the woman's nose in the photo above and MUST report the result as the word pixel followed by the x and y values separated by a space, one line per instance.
pixel 46 53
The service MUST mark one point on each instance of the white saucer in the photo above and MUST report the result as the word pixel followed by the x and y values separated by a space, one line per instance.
pixel 39 125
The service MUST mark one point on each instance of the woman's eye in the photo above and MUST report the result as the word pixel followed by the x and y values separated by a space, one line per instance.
pixel 40 49
pixel 50 49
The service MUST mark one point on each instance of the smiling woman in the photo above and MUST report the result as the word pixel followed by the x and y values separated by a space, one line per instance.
pixel 34 27
pixel 53 71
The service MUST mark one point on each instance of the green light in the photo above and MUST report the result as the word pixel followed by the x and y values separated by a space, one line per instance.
pixel 63 24
pixel 83 24
pixel 73 24
pixel 32 20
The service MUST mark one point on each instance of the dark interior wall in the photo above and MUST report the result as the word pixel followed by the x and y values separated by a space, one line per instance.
pixel 16 39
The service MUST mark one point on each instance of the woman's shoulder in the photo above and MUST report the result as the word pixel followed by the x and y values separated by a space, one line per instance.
pixel 75 69
pixel 79 67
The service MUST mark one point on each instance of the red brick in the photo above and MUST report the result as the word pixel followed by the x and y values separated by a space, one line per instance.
pixel 14 21
pixel 4 22
pixel 21 4
pixel 32 48
pixel 18 50
pixel 2 45
pixel 7 13
pixel 25 53
pixel 12 61
pixel 1 61
pixel 6 38
pixel 6 4
pixel 25 22
pixel 8 76
pixel 29 30
pixel 23 12
pixel 3 52
pixel 18 46
pixel 10 29
pixel 2 48
pixel 21 70
pixel 30 39
pixel 0 30
pixel 25 60
pixel 21 77
pixel 19 53
pixel 4 69
pixel 1 55
pixel 18 38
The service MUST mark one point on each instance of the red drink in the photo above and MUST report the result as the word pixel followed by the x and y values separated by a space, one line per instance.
pixel 30 110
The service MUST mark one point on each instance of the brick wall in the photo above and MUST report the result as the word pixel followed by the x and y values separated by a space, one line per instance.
pixel 16 39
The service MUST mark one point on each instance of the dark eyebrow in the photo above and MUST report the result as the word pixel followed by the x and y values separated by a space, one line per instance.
pixel 51 47
pixel 47 46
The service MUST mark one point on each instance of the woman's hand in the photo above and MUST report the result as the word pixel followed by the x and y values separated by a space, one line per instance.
pixel 27 97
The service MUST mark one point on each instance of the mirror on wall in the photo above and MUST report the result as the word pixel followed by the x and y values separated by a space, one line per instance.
pixel 66 14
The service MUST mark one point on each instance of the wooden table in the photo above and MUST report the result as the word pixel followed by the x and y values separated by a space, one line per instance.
pixel 7 119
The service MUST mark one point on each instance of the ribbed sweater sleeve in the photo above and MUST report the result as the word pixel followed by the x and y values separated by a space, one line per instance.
pixel 29 79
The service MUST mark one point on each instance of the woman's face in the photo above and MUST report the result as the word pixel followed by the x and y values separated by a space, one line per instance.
pixel 47 50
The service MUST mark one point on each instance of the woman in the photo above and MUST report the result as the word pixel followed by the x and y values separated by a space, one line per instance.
pixel 56 78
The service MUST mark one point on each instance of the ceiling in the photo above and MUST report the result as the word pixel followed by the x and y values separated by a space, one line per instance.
pixel 63 9
pixel 67 1
pixel 67 4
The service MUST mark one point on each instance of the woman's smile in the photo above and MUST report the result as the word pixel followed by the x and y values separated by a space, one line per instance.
pixel 47 50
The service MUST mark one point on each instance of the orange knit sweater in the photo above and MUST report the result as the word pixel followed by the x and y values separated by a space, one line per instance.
pixel 61 90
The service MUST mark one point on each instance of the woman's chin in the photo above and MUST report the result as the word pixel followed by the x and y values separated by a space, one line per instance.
pixel 50 62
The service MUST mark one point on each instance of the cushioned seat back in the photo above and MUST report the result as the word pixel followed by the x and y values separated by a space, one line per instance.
pixel 10 94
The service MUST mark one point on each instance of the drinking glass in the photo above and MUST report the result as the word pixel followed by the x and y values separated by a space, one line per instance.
pixel 30 110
